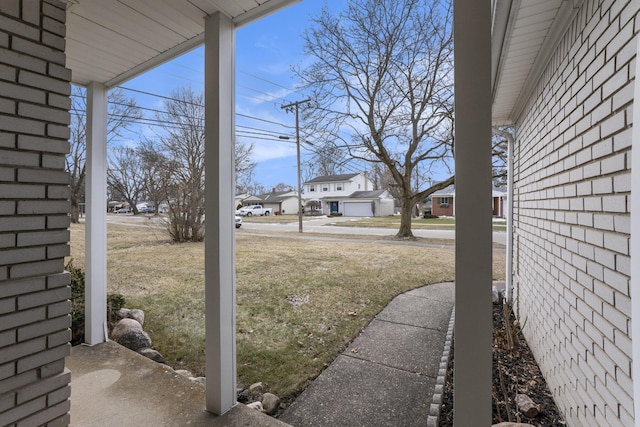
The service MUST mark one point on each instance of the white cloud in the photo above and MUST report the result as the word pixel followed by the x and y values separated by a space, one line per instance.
pixel 270 150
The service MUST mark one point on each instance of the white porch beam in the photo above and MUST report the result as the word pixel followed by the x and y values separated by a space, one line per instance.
pixel 220 277
pixel 473 324
pixel 635 243
pixel 96 220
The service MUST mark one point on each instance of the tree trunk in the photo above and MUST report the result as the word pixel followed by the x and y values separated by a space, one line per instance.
pixel 75 210
pixel 405 219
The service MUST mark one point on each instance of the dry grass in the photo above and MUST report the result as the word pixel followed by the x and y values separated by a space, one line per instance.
pixel 299 302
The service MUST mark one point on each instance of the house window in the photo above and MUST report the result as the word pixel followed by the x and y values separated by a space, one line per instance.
pixel 312 188
pixel 445 201
pixel 325 187
pixel 339 186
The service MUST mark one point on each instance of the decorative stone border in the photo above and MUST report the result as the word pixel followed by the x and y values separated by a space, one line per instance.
pixel 433 420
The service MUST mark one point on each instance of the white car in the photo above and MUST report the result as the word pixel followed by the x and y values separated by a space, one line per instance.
pixel 238 221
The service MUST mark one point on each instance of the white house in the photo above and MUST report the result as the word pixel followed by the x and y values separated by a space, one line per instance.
pixel 563 77
pixel 349 195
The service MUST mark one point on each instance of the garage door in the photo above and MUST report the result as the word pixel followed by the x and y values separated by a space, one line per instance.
pixel 357 209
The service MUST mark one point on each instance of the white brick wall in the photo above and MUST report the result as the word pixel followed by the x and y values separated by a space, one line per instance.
pixel 571 201
pixel 34 291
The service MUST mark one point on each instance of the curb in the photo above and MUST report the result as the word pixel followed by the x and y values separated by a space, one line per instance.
pixel 433 420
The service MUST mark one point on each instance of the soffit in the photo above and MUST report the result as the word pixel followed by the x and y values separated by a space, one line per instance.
pixel 524 35
pixel 110 41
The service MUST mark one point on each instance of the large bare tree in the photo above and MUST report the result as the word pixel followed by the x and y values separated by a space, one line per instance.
pixel 182 141
pixel 126 175
pixel 122 115
pixel 382 80
pixel 244 165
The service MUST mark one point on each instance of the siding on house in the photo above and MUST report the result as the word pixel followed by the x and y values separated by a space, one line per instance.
pixel 571 216
pixel 34 192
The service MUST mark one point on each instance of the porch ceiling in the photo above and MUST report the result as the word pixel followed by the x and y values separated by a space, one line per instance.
pixel 111 41
pixel 524 35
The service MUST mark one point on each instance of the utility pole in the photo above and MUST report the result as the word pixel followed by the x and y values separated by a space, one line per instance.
pixel 289 108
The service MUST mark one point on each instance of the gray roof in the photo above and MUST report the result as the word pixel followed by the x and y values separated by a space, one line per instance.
pixel 332 178
pixel 451 191
pixel 366 194
pixel 446 191
pixel 275 196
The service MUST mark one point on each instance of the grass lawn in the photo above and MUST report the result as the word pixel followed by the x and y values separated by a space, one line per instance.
pixel 299 302
pixel 273 219
pixel 416 223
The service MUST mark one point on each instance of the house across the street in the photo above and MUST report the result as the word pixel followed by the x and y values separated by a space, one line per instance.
pixel 349 195
pixel 444 203
pixel 282 202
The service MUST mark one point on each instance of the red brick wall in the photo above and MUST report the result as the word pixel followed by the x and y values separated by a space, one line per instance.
pixel 438 210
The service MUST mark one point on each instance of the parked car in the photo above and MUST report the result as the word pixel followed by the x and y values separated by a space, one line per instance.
pixel 146 209
pixel 238 221
pixel 255 210
pixel 126 209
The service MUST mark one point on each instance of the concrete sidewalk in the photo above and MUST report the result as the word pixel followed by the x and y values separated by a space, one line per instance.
pixel 387 376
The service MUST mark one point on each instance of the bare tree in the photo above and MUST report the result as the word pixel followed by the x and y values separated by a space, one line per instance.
pixel 126 176
pixel 327 159
pixel 182 141
pixel 156 170
pixel 244 165
pixel 382 80
pixel 500 141
pixel 122 115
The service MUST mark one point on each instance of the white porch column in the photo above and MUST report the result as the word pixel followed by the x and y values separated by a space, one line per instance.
pixel 220 276
pixel 473 325
pixel 96 219
pixel 635 243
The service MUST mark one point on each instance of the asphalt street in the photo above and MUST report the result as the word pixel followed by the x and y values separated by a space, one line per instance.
pixel 321 225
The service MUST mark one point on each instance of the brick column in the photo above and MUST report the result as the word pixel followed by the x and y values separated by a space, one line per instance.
pixel 34 207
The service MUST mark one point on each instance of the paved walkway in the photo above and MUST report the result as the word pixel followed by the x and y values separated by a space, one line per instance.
pixel 387 376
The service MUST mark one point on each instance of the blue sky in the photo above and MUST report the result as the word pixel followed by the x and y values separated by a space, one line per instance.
pixel 266 51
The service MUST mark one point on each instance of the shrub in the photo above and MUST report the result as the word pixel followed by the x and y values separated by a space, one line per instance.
pixel 114 303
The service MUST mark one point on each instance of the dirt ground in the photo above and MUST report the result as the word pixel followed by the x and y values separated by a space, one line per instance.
pixel 515 371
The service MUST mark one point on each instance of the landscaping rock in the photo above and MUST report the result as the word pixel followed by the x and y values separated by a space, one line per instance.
pixel 124 326
pixel 243 396
pixel 256 405
pixel 152 354
pixel 134 339
pixel 135 314
pixel 270 403
pixel 256 389
pixel 184 373
pixel 199 380
pixel 527 406
pixel 123 313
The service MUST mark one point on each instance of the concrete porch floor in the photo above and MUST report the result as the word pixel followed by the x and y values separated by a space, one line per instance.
pixel 114 386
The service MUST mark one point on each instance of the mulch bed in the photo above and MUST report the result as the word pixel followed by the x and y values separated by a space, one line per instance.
pixel 515 371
